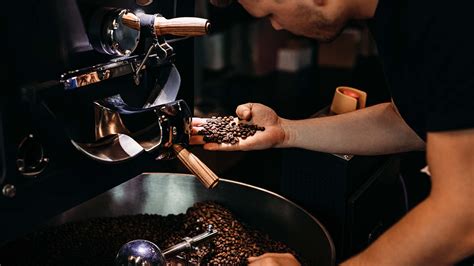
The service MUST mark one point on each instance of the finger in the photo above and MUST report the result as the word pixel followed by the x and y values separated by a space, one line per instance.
pixel 268 254
pixel 244 111
pixel 212 146
pixel 196 140
pixel 198 121
pixel 252 259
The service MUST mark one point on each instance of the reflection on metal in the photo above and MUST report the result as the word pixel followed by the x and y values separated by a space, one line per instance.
pixel 114 148
pixel 107 122
pixel 144 125
pixel 168 93
pixel 92 77
pixel 113 69
pixel 31 160
pixel 143 2
pixel 9 191
pixel 190 243
pixel 140 252
pixel 345 157
pixel 114 31
pixel 123 132
pixel 143 252
pixel 163 51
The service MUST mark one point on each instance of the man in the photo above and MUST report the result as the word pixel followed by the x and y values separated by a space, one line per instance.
pixel 428 62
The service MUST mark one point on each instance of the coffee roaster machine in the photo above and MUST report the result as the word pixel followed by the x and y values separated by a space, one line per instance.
pixel 91 98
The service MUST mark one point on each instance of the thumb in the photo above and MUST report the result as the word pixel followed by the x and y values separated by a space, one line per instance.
pixel 252 259
pixel 244 111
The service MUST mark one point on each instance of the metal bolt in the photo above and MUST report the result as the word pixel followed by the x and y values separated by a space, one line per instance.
pixel 9 191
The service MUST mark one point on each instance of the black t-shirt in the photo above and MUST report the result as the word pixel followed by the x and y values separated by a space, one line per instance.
pixel 427 52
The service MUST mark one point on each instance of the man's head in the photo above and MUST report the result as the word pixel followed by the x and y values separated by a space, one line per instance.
pixel 319 19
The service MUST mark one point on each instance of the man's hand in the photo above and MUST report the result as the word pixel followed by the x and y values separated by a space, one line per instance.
pixel 276 259
pixel 254 113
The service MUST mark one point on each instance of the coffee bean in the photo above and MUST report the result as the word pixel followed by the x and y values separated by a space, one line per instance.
pixel 228 130
pixel 96 241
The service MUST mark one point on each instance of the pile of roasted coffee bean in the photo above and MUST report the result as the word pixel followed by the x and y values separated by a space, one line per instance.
pixel 227 129
pixel 235 241
pixel 96 241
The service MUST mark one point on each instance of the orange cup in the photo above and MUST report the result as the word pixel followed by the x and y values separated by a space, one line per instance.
pixel 347 99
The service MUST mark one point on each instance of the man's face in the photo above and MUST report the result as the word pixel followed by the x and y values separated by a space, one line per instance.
pixel 301 17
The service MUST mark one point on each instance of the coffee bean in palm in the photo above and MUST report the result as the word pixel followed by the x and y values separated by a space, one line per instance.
pixel 227 129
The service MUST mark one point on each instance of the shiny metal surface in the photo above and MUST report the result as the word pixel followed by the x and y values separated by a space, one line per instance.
pixel 115 148
pixel 190 243
pixel 31 159
pixel 115 68
pixel 140 252
pixel 144 252
pixel 114 31
pixel 122 132
pixel 143 2
pixel 174 193
pixel 9 191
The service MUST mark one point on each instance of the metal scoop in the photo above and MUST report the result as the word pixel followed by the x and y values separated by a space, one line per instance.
pixel 143 252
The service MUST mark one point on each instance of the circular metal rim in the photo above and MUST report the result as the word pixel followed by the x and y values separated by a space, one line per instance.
pixel 113 46
pixel 325 231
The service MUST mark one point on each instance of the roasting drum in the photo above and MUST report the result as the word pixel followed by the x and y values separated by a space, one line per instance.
pixel 163 194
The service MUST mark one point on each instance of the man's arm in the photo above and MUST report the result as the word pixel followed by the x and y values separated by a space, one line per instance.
pixel 374 130
pixel 440 230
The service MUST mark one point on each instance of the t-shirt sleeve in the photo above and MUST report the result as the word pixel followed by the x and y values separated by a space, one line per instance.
pixel 451 95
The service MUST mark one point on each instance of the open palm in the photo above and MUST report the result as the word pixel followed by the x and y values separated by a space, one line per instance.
pixel 254 113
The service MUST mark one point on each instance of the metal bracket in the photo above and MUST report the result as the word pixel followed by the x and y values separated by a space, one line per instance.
pixel 164 51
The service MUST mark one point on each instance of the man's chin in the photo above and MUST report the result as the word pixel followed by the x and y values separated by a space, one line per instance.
pixel 321 36
pixel 324 37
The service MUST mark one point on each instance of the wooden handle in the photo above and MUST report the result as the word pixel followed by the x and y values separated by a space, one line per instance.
pixel 183 26
pixel 131 20
pixel 207 177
